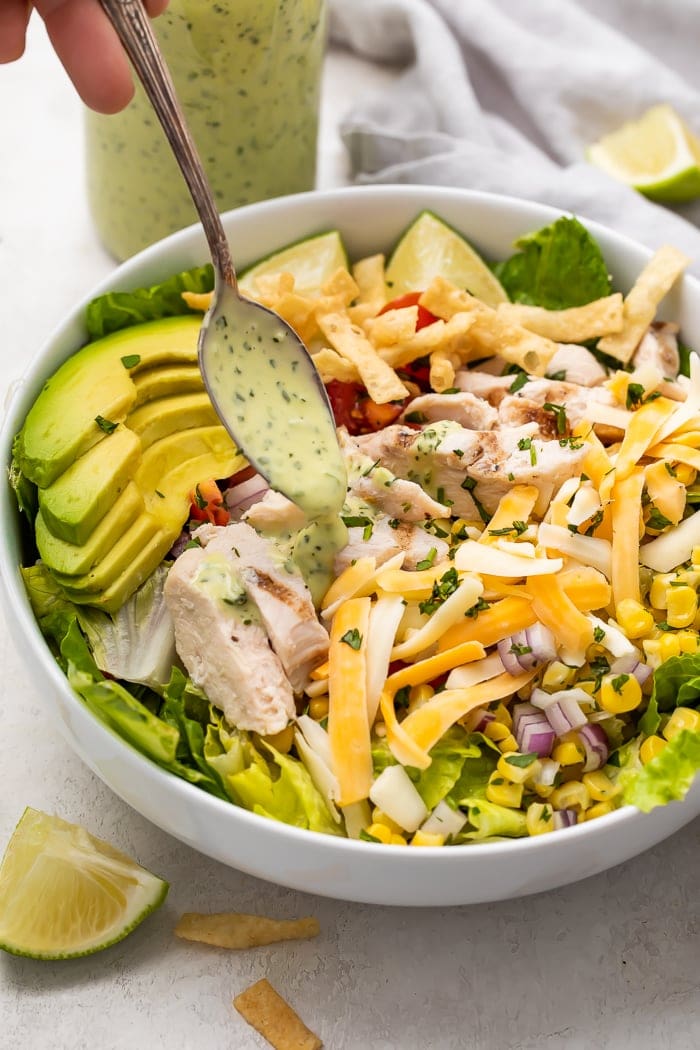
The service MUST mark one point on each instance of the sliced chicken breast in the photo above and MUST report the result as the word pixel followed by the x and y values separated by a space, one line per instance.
pixel 576 365
pixel 387 540
pixel 470 411
pixel 223 645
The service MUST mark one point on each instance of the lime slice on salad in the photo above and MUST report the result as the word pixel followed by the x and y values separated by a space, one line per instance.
pixel 311 262
pixel 65 893
pixel 657 155
pixel 430 248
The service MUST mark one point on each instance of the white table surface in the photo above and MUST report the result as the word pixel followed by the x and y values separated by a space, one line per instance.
pixel 611 962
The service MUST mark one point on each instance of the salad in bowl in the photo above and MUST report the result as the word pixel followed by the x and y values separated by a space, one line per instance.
pixel 498 638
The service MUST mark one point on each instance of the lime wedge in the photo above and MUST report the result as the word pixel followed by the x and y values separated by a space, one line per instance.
pixel 65 893
pixel 430 248
pixel 657 155
pixel 311 262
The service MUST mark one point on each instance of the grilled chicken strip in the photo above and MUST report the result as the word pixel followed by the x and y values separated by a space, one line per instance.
pixel 465 408
pixel 576 365
pixel 223 645
pixel 387 540
pixel 277 589
pixel 457 462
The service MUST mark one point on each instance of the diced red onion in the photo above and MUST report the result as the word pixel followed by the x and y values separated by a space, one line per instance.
pixel 625 664
pixel 537 739
pixel 595 742
pixel 562 708
pixel 642 672
pixel 564 818
pixel 486 717
pixel 520 711
pixel 242 496
pixel 538 643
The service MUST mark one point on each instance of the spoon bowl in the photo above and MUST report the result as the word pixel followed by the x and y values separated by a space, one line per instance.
pixel 257 371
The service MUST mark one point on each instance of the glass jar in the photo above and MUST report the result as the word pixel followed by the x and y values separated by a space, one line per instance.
pixel 248 76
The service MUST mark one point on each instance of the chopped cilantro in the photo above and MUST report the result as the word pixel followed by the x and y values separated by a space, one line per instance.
pixel 619 681
pixel 559 413
pixel 442 589
pixel 356 521
pixel 474 611
pixel 353 638
pixel 657 520
pixel 131 360
pixel 518 383
pixel 521 761
pixel 427 562
pixel 105 424
pixel 598 634
pixel 415 417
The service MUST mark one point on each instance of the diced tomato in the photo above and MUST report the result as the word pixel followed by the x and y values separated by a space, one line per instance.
pixel 207 503
pixel 379 416
pixel 241 475
pixel 411 299
pixel 345 401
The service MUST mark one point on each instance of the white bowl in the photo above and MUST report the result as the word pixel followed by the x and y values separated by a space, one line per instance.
pixel 370 220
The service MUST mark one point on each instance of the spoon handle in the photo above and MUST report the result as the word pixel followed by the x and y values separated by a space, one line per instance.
pixel 134 30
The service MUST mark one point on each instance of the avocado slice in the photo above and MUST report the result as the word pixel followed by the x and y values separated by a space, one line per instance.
pixel 75 559
pixel 77 500
pixel 166 381
pixel 60 426
pixel 142 535
pixel 114 596
pixel 169 415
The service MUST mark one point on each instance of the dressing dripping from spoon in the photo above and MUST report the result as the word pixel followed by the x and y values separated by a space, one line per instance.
pixel 256 370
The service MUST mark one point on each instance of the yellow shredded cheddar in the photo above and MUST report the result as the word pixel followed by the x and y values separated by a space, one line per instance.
pixel 348 727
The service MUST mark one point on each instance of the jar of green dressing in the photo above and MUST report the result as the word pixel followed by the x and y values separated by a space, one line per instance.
pixel 248 75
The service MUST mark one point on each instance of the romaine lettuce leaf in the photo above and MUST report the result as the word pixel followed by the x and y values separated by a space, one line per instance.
pixel 137 643
pixel 557 267
pixel 667 777
pixel 117 310
pixel 284 791
pixel 448 758
pixel 490 820
pixel 475 772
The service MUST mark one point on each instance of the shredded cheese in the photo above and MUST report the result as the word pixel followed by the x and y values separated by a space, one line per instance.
pixel 553 607
pixel 626 517
pixel 348 726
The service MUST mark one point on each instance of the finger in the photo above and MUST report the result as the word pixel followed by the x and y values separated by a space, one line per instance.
pixel 155 7
pixel 90 52
pixel 14 16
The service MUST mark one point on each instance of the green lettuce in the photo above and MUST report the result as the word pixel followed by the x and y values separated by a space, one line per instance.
pixel 676 684
pixel 283 790
pixel 116 310
pixel 475 772
pixel 667 777
pixel 490 821
pixel 557 267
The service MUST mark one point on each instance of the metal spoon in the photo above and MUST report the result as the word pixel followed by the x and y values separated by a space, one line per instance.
pixel 257 372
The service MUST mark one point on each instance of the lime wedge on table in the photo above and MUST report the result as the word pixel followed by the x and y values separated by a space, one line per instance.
pixel 65 893
pixel 311 262
pixel 430 248
pixel 657 155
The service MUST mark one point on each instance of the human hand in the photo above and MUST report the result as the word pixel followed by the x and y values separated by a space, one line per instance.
pixel 85 42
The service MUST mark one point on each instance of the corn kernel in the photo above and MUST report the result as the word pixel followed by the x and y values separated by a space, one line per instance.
pixel 427 838
pixel 508 745
pixel 669 646
pixel 633 618
pixel 419 695
pixel 600 787
pixel 514 772
pixel 651 747
pixel 496 731
pixel 688 641
pixel 588 687
pixel 695 556
pixel 503 793
pixel 544 790
pixel 659 589
pixel 381 832
pixel 281 741
pixel 599 810
pixel 380 817
pixel 568 753
pixel 681 606
pixel 682 718
pixel 503 716
pixel 397 840
pixel 318 709
pixel 573 795
pixel 686 475
pixel 620 693
pixel 558 675
pixel 538 819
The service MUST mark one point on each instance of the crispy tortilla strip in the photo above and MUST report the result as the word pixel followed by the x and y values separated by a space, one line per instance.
pixel 198 300
pixel 448 336
pixel 489 333
pixel 267 1012
pixel 269 287
pixel 640 305
pixel 442 370
pixel 395 326
pixel 332 366
pixel 368 274
pixel 578 323
pixel 382 382
pixel 338 291
pixel 236 930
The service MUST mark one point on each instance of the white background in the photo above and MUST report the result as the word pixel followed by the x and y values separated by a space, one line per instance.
pixel 612 962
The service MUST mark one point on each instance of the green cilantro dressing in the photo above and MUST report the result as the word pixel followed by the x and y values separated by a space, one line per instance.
pixel 270 398
pixel 247 73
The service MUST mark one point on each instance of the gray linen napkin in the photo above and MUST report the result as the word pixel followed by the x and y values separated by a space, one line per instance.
pixel 504 95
